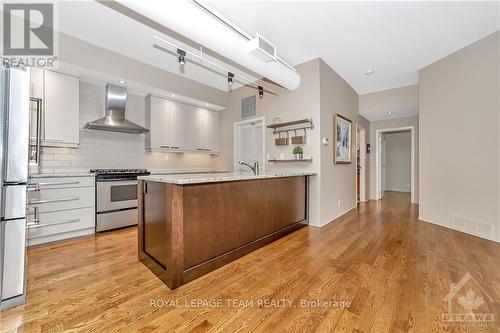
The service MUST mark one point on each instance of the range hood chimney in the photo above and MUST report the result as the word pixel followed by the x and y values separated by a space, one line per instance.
pixel 114 120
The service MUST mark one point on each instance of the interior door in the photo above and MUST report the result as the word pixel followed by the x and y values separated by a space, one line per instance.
pixel 249 144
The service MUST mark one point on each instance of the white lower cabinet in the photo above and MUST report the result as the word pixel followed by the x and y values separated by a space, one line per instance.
pixel 62 208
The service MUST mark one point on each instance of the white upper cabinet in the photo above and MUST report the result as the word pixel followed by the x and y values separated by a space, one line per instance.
pixel 195 128
pixel 60 94
pixel 178 113
pixel 176 126
pixel 211 133
pixel 158 122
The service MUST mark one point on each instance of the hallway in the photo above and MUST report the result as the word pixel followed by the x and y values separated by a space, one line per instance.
pixel 392 270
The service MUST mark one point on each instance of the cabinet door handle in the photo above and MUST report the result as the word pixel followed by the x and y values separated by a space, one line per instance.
pixel 37 224
pixel 164 146
pixel 208 149
pixel 173 147
pixel 200 149
pixel 36 202
pixel 54 139
pixel 55 184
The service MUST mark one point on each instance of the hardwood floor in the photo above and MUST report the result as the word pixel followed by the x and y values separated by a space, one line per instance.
pixel 394 269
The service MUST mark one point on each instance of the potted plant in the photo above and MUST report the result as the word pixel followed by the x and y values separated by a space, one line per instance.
pixel 298 152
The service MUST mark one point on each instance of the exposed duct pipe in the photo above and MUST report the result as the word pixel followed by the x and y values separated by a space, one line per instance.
pixel 194 22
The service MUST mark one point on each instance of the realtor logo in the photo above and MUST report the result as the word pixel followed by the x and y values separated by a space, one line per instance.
pixel 467 304
pixel 28 29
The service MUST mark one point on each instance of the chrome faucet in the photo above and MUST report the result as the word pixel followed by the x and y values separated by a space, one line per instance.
pixel 254 167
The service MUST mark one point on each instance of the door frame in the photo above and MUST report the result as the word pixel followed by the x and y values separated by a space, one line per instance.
pixel 236 139
pixel 378 158
pixel 362 163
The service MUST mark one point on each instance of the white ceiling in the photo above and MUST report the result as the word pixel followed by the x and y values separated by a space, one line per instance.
pixel 395 39
pixel 107 28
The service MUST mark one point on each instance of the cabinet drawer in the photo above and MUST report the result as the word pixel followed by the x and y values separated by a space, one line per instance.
pixel 63 182
pixel 61 222
pixel 51 200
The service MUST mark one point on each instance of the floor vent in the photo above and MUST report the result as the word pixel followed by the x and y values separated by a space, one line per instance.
pixel 481 229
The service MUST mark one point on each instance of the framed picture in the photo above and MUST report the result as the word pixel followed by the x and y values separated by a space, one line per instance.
pixel 343 135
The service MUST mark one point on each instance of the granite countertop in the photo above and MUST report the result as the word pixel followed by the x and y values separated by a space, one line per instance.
pixel 62 174
pixel 185 179
pixel 184 172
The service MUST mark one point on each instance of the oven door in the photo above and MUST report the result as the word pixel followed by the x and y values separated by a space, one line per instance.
pixel 116 195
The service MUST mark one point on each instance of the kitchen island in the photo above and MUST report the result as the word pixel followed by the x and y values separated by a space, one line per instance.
pixel 192 224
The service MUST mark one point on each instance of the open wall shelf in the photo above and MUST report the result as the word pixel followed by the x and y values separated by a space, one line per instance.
pixel 292 123
pixel 307 160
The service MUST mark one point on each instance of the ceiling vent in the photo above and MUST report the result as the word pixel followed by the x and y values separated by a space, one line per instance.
pixel 262 48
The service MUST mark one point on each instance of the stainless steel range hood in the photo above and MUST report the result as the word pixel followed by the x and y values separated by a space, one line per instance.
pixel 114 121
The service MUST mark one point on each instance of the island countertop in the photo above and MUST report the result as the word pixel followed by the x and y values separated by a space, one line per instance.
pixel 192 224
pixel 200 178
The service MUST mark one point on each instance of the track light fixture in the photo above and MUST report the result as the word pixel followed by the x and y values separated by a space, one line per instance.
pixel 182 55
pixel 230 77
pixel 261 92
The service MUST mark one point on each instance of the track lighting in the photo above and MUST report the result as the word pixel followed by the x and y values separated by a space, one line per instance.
pixel 230 77
pixel 182 55
pixel 261 92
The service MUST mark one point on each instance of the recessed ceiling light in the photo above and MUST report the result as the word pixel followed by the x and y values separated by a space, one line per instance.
pixel 122 81
pixel 173 95
pixel 370 72
pixel 389 112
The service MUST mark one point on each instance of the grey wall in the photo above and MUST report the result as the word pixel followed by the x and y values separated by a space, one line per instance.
pixel 402 102
pixel 76 52
pixel 338 181
pixel 397 161
pixel 459 139
pixel 392 124
pixel 99 149
pixel 321 94
pixel 304 102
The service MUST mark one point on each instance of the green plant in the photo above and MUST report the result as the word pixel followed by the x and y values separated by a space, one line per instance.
pixel 298 150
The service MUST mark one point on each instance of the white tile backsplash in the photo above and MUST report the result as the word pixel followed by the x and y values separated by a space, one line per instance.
pixel 114 150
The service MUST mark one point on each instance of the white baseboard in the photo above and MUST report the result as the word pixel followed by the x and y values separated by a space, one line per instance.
pixel 338 216
pixel 428 220
pixel 61 236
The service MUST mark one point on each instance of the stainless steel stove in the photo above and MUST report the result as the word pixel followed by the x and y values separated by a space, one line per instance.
pixel 116 197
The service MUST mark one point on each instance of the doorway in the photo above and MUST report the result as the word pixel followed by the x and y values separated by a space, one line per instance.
pixel 249 143
pixel 395 168
pixel 360 164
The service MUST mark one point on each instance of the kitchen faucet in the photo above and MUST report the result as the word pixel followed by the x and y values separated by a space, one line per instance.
pixel 254 167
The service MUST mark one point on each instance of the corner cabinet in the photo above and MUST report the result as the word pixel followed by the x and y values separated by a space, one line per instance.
pixel 178 127
pixel 60 95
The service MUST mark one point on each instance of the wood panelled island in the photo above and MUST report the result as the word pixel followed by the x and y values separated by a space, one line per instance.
pixel 192 224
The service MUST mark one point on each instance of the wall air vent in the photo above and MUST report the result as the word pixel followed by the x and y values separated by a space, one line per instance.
pixel 248 107
pixel 262 48
pixel 477 228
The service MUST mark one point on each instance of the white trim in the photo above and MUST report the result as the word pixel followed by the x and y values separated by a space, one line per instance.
pixel 337 217
pixel 449 226
pixel 378 167
pixel 362 176
pixel 236 139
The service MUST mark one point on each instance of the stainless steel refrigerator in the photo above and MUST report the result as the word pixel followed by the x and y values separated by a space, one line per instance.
pixel 14 145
